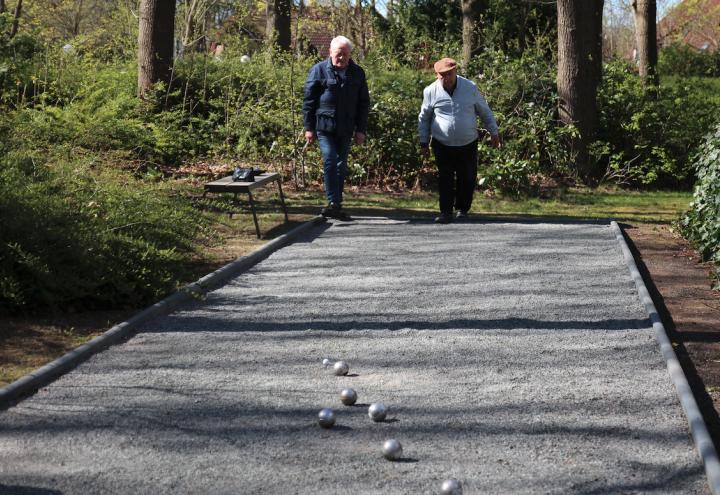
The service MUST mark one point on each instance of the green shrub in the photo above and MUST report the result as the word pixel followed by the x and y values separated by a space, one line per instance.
pixel 680 59
pixel 76 235
pixel 523 95
pixel 646 139
pixel 701 224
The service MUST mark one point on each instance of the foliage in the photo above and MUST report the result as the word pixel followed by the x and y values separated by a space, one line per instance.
pixel 523 95
pixel 419 31
pixel 680 59
pixel 80 235
pixel 701 224
pixel 646 138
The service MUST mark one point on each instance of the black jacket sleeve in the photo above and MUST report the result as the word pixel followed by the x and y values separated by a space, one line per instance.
pixel 311 98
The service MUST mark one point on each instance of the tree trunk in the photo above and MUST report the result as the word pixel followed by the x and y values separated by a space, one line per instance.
pixel 3 8
pixel 579 73
pixel 77 18
pixel 646 39
pixel 472 11
pixel 155 43
pixel 523 13
pixel 278 23
pixel 16 19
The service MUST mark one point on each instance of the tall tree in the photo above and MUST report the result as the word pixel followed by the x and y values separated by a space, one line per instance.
pixel 156 40
pixel 579 73
pixel 278 23
pixel 472 11
pixel 646 39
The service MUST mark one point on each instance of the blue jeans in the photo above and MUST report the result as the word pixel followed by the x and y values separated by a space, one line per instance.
pixel 334 150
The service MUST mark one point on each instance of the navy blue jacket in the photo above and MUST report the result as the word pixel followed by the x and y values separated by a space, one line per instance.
pixel 333 104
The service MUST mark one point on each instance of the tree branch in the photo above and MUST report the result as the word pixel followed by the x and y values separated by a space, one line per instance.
pixel 16 20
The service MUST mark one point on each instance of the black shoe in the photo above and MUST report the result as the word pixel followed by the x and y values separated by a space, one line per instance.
pixel 341 215
pixel 461 215
pixel 330 210
pixel 444 218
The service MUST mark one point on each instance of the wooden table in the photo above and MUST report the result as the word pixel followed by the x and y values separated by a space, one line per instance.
pixel 226 184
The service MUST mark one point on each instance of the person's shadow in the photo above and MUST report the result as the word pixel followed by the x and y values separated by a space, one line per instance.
pixel 26 490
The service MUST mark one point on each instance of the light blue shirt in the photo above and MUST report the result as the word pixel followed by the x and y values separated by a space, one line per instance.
pixel 452 120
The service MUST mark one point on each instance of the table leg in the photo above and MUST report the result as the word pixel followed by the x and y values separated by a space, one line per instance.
pixel 282 200
pixel 252 208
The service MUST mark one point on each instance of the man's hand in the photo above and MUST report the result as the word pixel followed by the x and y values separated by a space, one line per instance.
pixel 310 136
pixel 360 137
pixel 496 141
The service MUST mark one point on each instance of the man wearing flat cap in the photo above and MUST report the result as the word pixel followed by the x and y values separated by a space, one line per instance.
pixel 449 112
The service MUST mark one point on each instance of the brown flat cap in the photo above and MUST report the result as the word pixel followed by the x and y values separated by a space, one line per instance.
pixel 445 65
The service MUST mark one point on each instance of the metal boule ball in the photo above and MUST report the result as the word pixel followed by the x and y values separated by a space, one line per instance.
pixel 377 412
pixel 392 450
pixel 341 368
pixel 348 396
pixel 326 418
pixel 451 487
pixel 327 362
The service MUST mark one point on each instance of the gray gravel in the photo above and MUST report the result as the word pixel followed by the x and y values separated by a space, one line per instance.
pixel 515 357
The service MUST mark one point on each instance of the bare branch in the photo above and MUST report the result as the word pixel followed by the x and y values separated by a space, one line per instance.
pixel 16 20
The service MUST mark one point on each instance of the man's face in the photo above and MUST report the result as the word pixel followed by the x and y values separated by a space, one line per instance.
pixel 340 56
pixel 448 78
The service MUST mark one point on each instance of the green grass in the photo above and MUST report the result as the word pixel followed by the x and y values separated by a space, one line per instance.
pixel 646 206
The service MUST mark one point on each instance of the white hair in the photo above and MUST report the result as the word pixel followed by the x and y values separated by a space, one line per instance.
pixel 341 40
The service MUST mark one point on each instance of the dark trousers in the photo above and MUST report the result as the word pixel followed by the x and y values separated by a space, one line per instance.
pixel 457 175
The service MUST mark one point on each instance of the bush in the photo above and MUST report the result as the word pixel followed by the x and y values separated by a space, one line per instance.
pixel 701 224
pixel 680 59
pixel 75 235
pixel 646 139
pixel 523 95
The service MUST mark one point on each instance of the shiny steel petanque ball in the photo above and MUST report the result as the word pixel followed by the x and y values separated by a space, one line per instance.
pixel 341 368
pixel 392 450
pixel 348 396
pixel 326 418
pixel 451 487
pixel 377 412
pixel 327 363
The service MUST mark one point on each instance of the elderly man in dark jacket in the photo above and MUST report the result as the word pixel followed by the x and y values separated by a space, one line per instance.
pixel 336 105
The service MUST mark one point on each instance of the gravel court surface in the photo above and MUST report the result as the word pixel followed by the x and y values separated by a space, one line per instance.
pixel 515 357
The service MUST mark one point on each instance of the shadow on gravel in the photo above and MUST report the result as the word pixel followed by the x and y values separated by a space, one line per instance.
pixel 662 480
pixel 26 490
pixel 707 408
pixel 225 417
pixel 183 323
